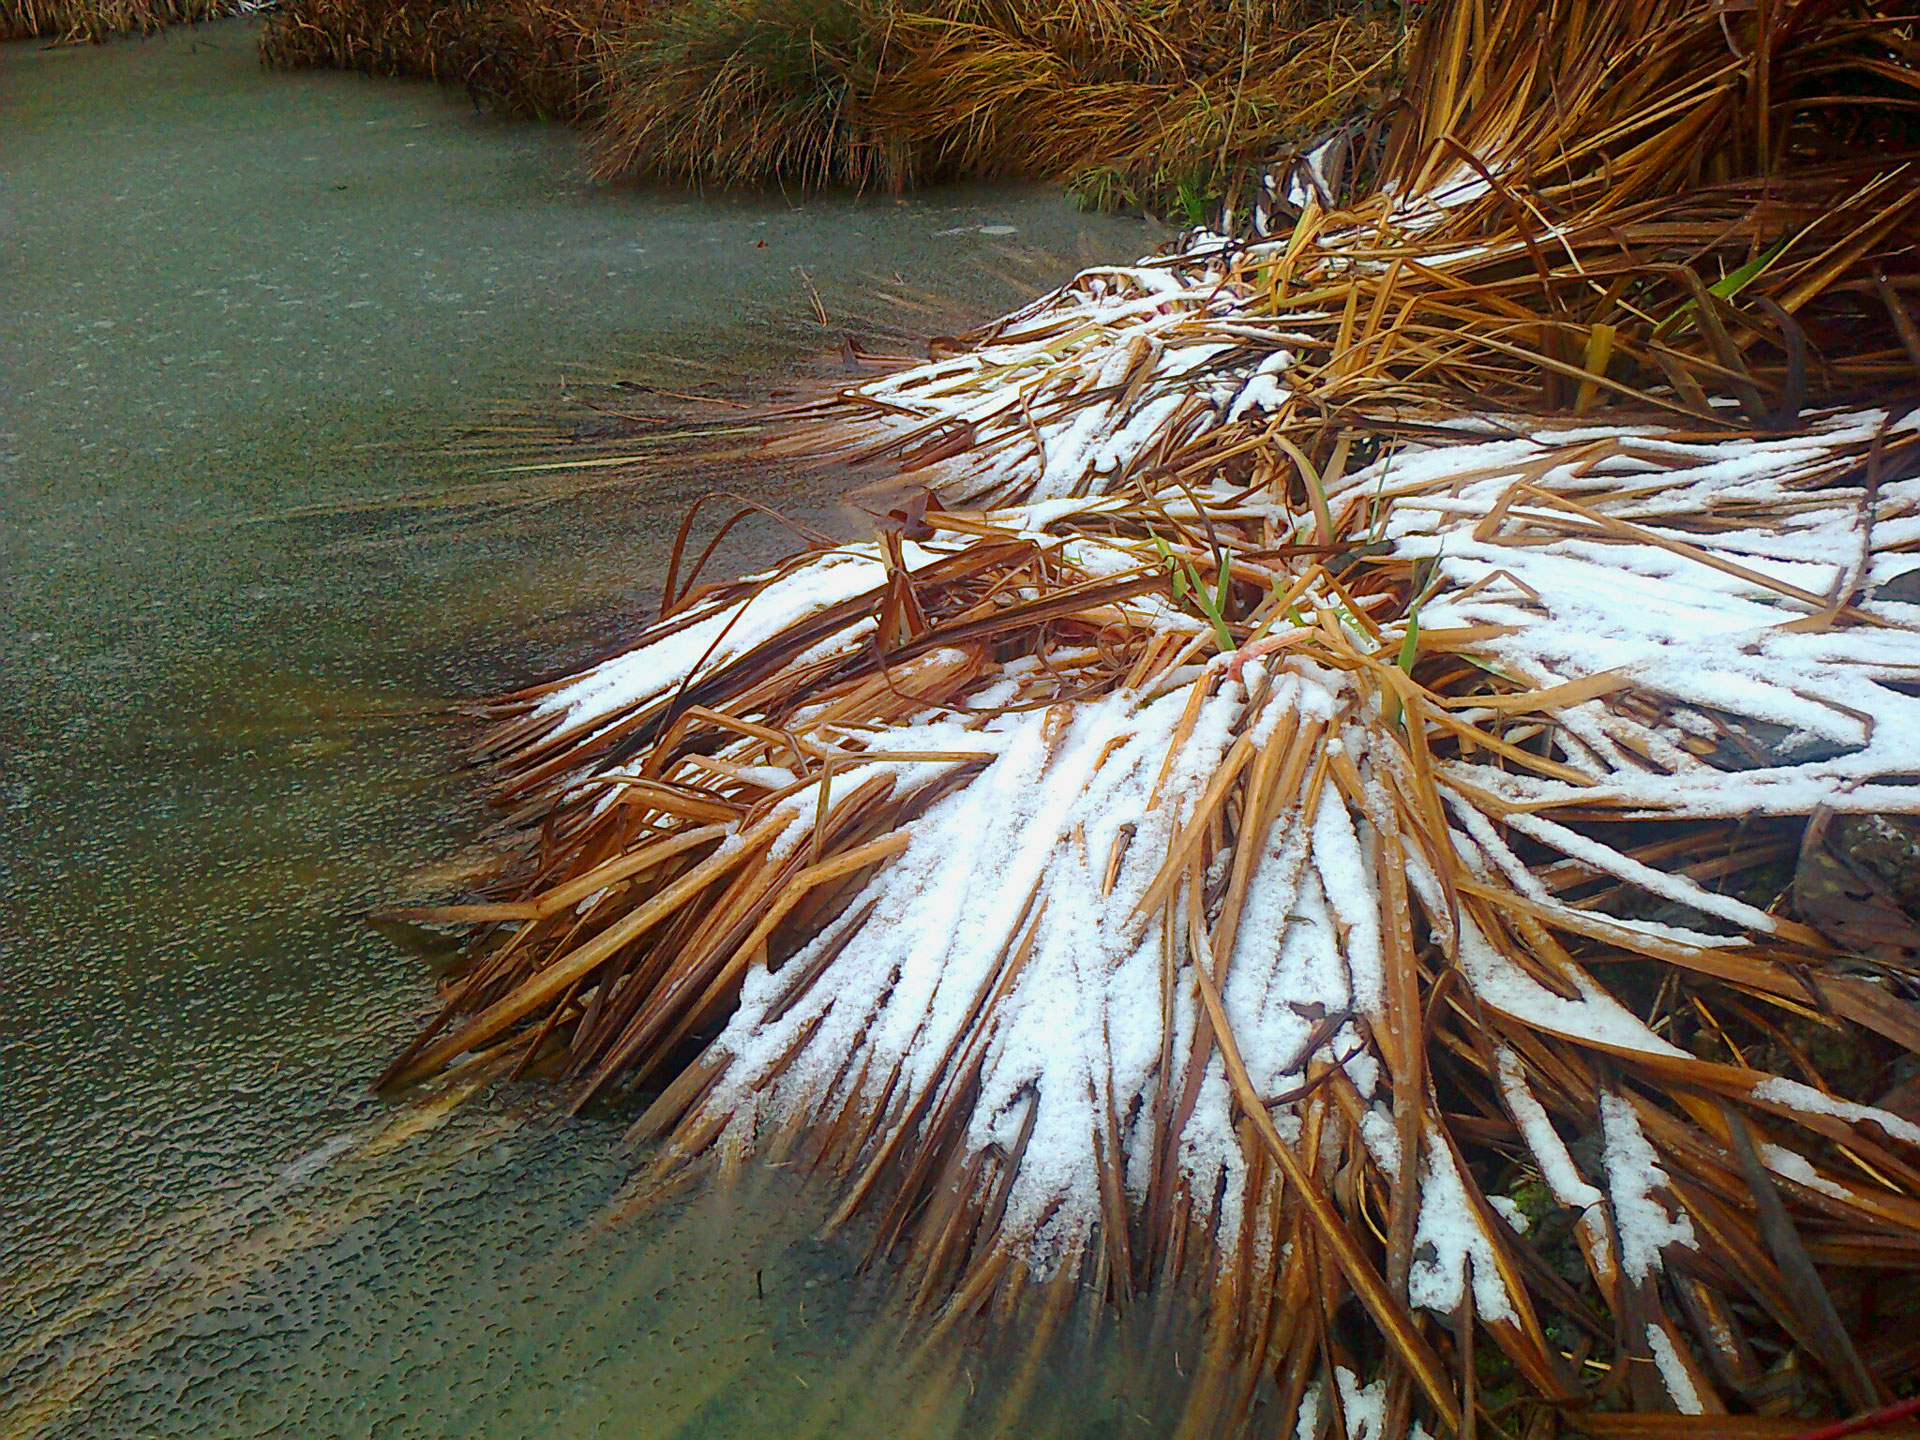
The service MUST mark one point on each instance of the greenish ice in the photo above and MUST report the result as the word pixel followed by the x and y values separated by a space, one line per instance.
pixel 245 321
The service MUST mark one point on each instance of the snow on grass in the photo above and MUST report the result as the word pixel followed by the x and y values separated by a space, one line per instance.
pixel 1070 393
pixel 1049 1006
pixel 1450 1246
pixel 1007 968
pixel 1716 621
pixel 1066 829
pixel 1594 1017
pixel 1673 1372
pixel 1079 1004
pixel 1792 1095
pixel 1365 1406
pixel 1796 1167
pixel 686 647
pixel 1644 1223
pixel 1550 1152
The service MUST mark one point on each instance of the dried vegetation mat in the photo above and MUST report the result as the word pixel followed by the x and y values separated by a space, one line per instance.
pixel 97 20
pixel 1167 102
pixel 1170 103
pixel 1367 780
pixel 536 58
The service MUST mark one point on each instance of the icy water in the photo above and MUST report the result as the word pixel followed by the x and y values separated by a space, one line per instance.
pixel 227 297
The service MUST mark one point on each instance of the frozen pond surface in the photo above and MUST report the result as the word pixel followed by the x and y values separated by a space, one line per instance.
pixel 226 295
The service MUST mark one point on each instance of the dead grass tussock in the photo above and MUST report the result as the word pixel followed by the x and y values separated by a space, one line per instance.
pixel 747 873
pixel 728 92
pixel 1176 107
pixel 1311 802
pixel 536 58
pixel 1659 251
pixel 97 20
pixel 1135 101
pixel 1134 98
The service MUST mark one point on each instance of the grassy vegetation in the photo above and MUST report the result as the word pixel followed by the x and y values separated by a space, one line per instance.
pixel 524 57
pixel 1133 101
pixel 96 20
pixel 1290 789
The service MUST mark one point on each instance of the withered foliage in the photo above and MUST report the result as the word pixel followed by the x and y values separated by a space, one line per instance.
pixel 1308 803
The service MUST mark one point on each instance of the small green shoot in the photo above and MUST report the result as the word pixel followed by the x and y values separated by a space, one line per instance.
pixel 1185 581
pixel 1725 288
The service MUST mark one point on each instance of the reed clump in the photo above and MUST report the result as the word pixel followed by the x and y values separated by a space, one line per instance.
pixel 1134 100
pixel 1327 788
pixel 97 20
pixel 535 58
